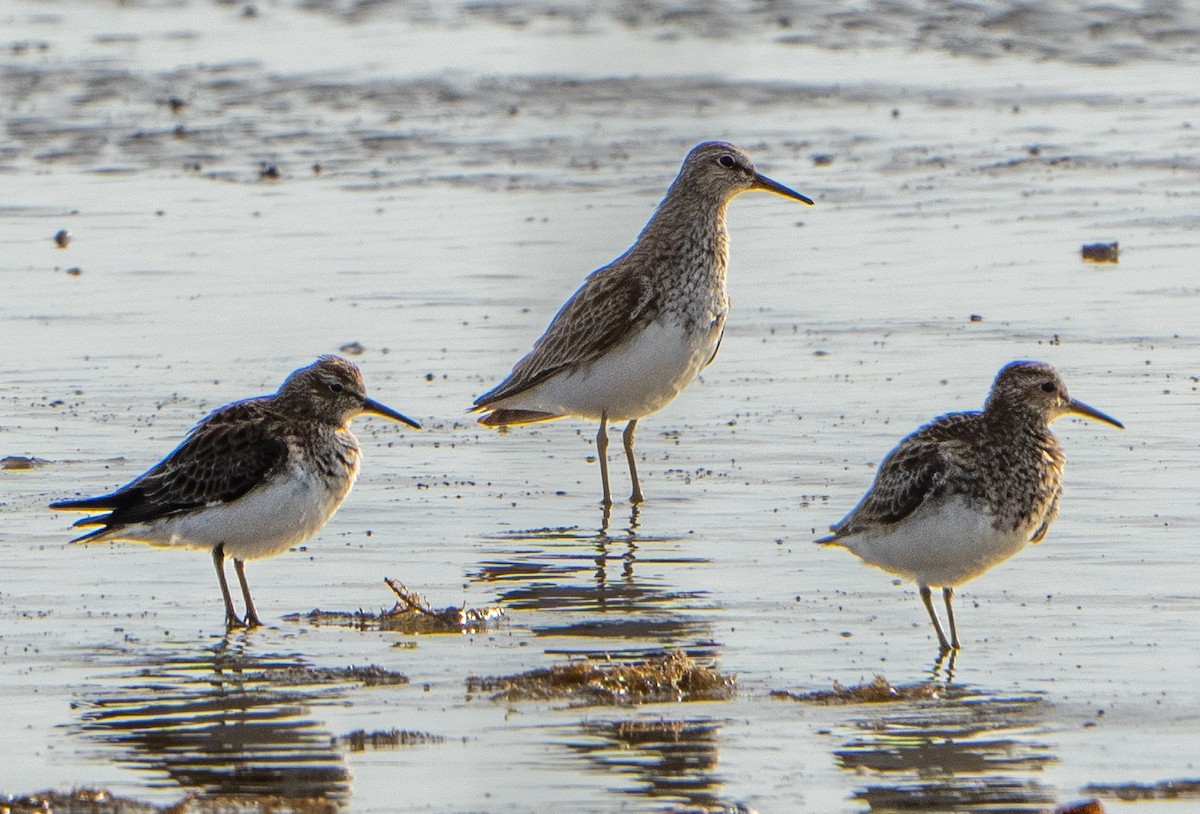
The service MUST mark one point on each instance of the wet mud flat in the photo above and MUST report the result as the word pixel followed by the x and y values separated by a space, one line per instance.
pixel 421 193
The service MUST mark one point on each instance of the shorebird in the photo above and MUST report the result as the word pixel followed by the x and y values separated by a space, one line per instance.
pixel 639 330
pixel 968 490
pixel 251 480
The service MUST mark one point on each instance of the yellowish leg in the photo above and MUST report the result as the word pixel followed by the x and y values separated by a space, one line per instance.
pixel 231 617
pixel 948 598
pixel 602 455
pixel 937 626
pixel 252 619
pixel 627 438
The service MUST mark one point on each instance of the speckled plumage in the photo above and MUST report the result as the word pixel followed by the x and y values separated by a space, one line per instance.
pixel 251 480
pixel 968 490
pixel 639 330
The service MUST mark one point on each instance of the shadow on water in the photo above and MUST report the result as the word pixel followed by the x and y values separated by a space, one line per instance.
pixel 220 722
pixel 588 584
pixel 668 761
pixel 964 751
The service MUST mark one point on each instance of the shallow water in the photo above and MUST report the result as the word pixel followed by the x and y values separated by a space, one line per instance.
pixel 473 166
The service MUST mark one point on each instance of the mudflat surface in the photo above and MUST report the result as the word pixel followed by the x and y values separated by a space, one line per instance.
pixel 248 186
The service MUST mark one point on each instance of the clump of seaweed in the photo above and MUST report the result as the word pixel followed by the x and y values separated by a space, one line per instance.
pixel 1162 790
pixel 673 676
pixel 21 462
pixel 412 613
pixel 371 675
pixel 876 691
pixel 101 801
pixel 360 740
pixel 93 801
pixel 1092 806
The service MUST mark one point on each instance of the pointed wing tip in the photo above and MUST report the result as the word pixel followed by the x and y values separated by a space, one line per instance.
pixel 91 536
pixel 509 416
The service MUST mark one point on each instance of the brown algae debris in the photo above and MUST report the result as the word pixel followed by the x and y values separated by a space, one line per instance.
pixel 1092 806
pixel 371 675
pixel 101 801
pixel 412 613
pixel 360 740
pixel 671 677
pixel 21 462
pixel 1101 252
pixel 93 801
pixel 1162 790
pixel 876 691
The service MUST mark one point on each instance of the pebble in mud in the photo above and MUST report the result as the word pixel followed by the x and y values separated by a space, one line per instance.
pixel 1101 252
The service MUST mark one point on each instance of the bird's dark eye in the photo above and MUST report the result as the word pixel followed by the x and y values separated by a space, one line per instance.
pixel 726 160
pixel 1048 387
pixel 336 387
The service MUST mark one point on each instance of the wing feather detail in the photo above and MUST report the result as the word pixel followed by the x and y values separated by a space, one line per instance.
pixel 912 473
pixel 610 305
pixel 221 459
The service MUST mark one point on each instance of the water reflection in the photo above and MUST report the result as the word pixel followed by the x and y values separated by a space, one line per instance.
pixel 962 752
pixel 668 761
pixel 588 585
pixel 220 722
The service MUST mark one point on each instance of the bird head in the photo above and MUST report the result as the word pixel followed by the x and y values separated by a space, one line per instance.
pixel 719 170
pixel 1035 388
pixel 331 389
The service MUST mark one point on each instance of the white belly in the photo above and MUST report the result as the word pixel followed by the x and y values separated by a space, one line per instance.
pixel 941 545
pixel 266 521
pixel 634 379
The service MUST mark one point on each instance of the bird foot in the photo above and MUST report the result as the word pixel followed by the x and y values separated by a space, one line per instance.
pixel 948 647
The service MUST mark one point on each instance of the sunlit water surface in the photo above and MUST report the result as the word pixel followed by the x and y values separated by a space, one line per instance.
pixel 446 179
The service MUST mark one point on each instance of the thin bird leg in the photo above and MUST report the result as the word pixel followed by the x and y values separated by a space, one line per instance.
pixel 948 598
pixel 231 617
pixel 602 455
pixel 937 626
pixel 627 438
pixel 252 619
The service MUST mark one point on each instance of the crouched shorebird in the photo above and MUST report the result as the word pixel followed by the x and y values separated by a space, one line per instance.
pixel 968 490
pixel 251 480
pixel 639 330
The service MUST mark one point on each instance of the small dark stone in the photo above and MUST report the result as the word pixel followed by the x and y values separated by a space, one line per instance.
pixel 1102 252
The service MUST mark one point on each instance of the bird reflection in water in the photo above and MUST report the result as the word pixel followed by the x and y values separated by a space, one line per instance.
pixel 596 584
pixel 964 751
pixel 669 761
pixel 221 723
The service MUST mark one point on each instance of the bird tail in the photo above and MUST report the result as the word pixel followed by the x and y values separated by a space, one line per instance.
pixel 508 417
pixel 99 535
pixel 90 504
pixel 87 504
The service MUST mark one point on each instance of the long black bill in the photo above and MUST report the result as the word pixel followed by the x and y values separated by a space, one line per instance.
pixel 372 406
pixel 763 182
pixel 1079 408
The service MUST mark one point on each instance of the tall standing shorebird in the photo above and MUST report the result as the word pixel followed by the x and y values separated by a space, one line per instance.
pixel 968 490
pixel 251 480
pixel 639 330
